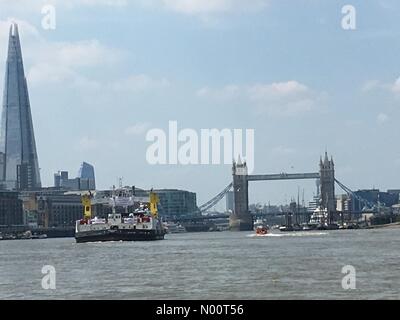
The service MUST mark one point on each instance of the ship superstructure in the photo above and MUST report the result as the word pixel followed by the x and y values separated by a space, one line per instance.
pixel 143 224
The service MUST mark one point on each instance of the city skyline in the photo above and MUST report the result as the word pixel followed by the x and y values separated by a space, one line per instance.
pixel 299 101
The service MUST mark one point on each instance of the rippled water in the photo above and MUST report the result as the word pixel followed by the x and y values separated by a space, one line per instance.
pixel 224 265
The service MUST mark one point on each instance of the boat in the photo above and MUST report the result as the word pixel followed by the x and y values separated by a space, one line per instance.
pixel 318 220
pixel 307 227
pixel 290 228
pixel 259 223
pixel 39 236
pixel 261 231
pixel 141 225
pixel 286 228
pixel 260 227
pixel 353 226
pixel 172 227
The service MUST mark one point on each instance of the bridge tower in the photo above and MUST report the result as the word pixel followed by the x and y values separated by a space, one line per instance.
pixel 240 219
pixel 327 185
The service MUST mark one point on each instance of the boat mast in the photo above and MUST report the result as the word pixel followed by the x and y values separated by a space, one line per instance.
pixel 113 203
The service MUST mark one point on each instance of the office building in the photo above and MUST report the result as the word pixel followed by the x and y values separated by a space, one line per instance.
pixel 19 166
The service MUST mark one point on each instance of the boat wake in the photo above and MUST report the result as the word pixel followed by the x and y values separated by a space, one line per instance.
pixel 292 234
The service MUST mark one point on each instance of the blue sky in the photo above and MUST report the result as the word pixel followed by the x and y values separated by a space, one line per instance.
pixel 111 70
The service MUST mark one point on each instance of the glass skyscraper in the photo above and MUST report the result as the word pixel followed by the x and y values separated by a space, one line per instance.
pixel 19 167
pixel 86 171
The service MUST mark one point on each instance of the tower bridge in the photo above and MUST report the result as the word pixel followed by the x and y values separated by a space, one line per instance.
pixel 241 218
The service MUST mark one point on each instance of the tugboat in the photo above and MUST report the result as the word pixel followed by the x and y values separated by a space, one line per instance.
pixel 141 225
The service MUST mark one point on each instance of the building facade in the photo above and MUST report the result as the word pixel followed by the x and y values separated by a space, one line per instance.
pixel 11 212
pixel 327 185
pixel 176 203
pixel 59 210
pixel 84 181
pixel 86 173
pixel 375 197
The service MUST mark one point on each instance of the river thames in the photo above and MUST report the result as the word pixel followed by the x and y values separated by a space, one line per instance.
pixel 210 265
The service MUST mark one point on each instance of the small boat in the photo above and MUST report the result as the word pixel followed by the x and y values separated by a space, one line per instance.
pixel 261 231
pixel 174 227
pixel 39 236
pixel 259 223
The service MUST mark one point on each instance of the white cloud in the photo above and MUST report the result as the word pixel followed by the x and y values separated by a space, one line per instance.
pixel 190 7
pixel 36 5
pixel 139 83
pixel 87 143
pixel 280 98
pixel 137 129
pixel 228 92
pixel 42 73
pixel 53 62
pixel 382 118
pixel 111 3
pixel 396 86
pixel 284 98
pixel 200 7
pixel 60 61
pixel 393 87
pixel 83 53
pixel 370 85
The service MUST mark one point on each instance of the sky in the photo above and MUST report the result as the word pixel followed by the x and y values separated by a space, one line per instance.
pixel 112 70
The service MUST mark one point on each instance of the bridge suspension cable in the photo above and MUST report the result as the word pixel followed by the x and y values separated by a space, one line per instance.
pixel 353 194
pixel 209 204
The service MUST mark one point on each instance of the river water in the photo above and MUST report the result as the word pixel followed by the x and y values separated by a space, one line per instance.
pixel 210 265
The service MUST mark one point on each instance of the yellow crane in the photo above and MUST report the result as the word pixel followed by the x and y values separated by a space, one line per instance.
pixel 86 200
pixel 154 200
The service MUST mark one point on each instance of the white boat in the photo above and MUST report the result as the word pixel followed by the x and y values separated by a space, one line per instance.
pixel 259 223
pixel 172 227
pixel 319 219
pixel 141 225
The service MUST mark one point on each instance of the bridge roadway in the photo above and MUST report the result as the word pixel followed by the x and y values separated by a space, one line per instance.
pixel 201 218
pixel 283 176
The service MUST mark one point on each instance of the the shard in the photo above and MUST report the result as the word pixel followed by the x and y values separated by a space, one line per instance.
pixel 19 167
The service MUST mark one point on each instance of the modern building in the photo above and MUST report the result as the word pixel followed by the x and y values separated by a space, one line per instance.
pixel 59 177
pixel 375 197
pixel 176 203
pixel 343 203
pixel 84 181
pixel 396 191
pixel 19 165
pixel 86 172
pixel 11 212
